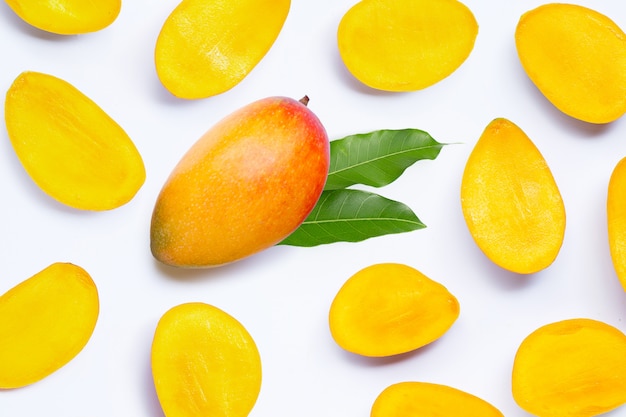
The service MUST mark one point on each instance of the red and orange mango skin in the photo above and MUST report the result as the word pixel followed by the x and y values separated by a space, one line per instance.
pixel 244 186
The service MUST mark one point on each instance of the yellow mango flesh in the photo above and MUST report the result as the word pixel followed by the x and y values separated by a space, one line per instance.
pixel 67 17
pixel 204 363
pixel 616 220
pixel 405 45
pixel 510 200
pixel 244 186
pixel 207 47
pixel 577 58
pixel 45 321
pixel 425 399
pixel 571 368
pixel 388 309
pixel 69 146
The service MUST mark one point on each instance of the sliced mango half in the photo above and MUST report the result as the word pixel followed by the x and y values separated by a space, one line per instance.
pixel 405 45
pixel 576 57
pixel 206 47
pixel 574 367
pixel 616 220
pixel 204 363
pixel 510 200
pixel 388 309
pixel 67 17
pixel 68 145
pixel 415 398
pixel 45 321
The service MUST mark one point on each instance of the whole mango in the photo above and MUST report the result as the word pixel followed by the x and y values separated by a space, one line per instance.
pixel 245 185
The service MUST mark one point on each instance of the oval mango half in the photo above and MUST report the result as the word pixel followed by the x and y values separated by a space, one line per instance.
pixel 414 398
pixel 388 309
pixel 68 145
pixel 405 45
pixel 45 321
pixel 204 363
pixel 67 17
pixel 205 47
pixel 616 220
pixel 576 57
pixel 510 200
pixel 574 367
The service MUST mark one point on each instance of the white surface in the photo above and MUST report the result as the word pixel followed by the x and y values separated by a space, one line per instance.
pixel 282 295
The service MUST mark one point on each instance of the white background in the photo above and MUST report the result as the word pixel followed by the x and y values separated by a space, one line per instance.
pixel 282 295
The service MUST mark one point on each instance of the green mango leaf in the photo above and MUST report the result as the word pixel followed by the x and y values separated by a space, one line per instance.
pixel 377 158
pixel 352 216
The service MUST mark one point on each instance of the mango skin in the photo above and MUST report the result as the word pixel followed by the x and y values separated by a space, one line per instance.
pixel 45 321
pixel 413 398
pixel 245 185
pixel 204 363
pixel 571 368
pixel 510 201
pixel 67 17
pixel 576 57
pixel 205 47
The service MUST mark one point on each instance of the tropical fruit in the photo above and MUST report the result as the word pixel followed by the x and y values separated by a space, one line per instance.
pixel 45 321
pixel 616 219
pixel 576 57
pixel 207 47
pixel 74 151
pixel 405 45
pixel 574 367
pixel 67 17
pixel 204 363
pixel 429 400
pixel 388 309
pixel 510 200
pixel 245 185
